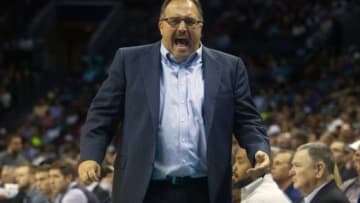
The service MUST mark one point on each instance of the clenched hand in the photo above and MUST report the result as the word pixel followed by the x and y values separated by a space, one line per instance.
pixel 262 164
pixel 89 171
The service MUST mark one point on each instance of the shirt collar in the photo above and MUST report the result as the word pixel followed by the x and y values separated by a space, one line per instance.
pixel 169 58
pixel 309 197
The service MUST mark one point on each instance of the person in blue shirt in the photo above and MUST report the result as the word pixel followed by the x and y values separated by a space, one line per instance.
pixel 178 104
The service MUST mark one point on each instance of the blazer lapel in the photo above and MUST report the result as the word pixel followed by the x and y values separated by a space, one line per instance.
pixel 151 66
pixel 323 191
pixel 212 75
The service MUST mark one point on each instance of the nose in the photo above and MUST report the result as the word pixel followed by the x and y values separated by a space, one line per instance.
pixel 291 172
pixel 182 26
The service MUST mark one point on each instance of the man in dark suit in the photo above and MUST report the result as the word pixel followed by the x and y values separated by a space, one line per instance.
pixel 312 171
pixel 179 103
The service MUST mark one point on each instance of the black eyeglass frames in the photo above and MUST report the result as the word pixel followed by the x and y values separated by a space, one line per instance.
pixel 175 21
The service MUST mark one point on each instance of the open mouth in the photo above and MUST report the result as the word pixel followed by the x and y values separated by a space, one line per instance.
pixel 181 42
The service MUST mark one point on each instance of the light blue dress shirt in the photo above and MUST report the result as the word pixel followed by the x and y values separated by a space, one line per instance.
pixel 181 140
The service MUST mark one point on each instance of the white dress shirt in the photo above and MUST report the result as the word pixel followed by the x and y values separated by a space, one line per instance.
pixel 263 190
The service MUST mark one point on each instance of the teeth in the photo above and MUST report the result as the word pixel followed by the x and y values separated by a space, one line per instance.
pixel 181 41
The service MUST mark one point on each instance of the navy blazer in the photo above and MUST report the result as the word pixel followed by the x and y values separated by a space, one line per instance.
pixel 131 95
pixel 330 193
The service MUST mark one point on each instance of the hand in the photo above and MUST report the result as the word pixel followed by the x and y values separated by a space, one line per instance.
pixel 89 171
pixel 262 165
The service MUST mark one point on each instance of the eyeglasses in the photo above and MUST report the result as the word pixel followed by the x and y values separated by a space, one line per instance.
pixel 175 21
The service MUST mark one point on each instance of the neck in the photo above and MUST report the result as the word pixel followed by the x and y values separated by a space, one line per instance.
pixel 309 188
pixel 284 184
pixel 244 182
pixel 50 195
pixel 27 189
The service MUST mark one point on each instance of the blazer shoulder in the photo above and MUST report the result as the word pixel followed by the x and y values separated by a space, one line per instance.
pixel 330 194
pixel 138 49
pixel 347 183
pixel 222 55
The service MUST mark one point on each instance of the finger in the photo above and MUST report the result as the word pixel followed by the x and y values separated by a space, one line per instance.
pixel 262 160
pixel 260 157
pixel 92 175
pixel 83 176
pixel 254 173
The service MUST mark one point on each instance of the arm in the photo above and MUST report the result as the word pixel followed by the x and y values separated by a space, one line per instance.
pixel 248 125
pixel 105 112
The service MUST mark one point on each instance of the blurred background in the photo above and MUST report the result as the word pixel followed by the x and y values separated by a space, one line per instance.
pixel 303 59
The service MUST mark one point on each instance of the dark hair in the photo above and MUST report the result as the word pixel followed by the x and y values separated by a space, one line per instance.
pixel 64 167
pixel 42 168
pixel 196 2
pixel 320 152
pixel 28 165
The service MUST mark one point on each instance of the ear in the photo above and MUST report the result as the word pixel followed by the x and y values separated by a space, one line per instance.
pixel 69 178
pixel 320 168
pixel 201 25
pixel 161 27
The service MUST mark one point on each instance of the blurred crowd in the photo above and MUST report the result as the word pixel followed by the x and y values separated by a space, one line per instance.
pixel 19 74
pixel 314 101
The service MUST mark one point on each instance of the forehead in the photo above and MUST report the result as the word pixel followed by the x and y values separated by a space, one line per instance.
pixel 181 8
pixel 41 174
pixel 7 169
pixel 282 157
pixel 54 172
pixel 302 156
pixel 22 169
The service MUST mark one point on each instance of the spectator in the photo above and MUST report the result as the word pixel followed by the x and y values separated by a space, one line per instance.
pixel 312 172
pixel 351 187
pixel 101 194
pixel 337 148
pixel 66 190
pixel 255 189
pixel 298 138
pixel 8 188
pixel 12 155
pixel 42 181
pixel 27 190
pixel 7 174
pixel 280 171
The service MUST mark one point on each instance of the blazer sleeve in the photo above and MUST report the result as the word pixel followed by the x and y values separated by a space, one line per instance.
pixel 105 113
pixel 248 125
